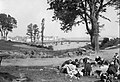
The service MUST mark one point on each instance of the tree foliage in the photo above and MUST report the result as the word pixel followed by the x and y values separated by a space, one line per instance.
pixel 74 12
pixel 42 30
pixel 117 4
pixel 33 32
pixel 7 23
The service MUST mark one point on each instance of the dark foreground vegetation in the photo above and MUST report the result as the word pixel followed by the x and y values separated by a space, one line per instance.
pixel 109 42
pixel 38 74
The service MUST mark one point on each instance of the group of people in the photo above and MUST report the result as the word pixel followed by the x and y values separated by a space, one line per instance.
pixel 73 67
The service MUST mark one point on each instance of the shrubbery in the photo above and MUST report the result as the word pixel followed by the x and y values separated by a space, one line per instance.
pixel 105 43
pixel 105 40
pixel 108 43
pixel 50 47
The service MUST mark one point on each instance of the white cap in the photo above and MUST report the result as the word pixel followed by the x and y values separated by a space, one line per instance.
pixel 88 61
pixel 112 63
pixel 97 57
pixel 102 59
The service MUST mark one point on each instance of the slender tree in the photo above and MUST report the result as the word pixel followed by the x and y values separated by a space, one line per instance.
pixel 30 31
pixel 35 32
pixel 7 23
pixel 38 35
pixel 42 30
pixel 73 12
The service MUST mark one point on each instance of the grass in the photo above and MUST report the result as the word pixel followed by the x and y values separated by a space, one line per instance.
pixel 7 45
pixel 40 74
pixel 10 45
pixel 23 48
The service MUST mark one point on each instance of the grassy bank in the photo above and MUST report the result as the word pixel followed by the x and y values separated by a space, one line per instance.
pixel 39 74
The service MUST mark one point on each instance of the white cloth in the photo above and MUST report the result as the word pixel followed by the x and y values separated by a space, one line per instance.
pixel 71 69
pixel 104 68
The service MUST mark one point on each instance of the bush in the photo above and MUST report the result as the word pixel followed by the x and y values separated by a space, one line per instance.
pixel 111 42
pixel 50 47
pixel 39 46
pixel 105 40
pixel 32 56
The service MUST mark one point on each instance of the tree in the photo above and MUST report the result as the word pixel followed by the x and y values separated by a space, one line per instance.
pixel 35 32
pixel 42 30
pixel 32 32
pixel 73 12
pixel 7 23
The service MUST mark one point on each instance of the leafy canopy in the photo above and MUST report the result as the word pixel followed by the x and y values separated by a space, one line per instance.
pixel 72 12
pixel 7 22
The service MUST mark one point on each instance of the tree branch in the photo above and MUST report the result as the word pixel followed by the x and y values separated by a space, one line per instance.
pixel 84 6
pixel 104 5
pixel 105 17
pixel 100 7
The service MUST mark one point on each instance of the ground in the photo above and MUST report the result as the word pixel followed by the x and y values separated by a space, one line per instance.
pixel 43 69
pixel 41 74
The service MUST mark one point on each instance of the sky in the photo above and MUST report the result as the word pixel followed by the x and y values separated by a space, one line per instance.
pixel 32 11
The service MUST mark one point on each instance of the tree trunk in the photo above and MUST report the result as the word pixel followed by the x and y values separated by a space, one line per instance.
pixel 96 38
pixel 92 41
pixel 34 37
pixel 42 30
pixel 95 25
pixel 31 37
pixel 38 37
pixel 1 34
pixel 96 41
pixel 4 35
pixel 42 38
